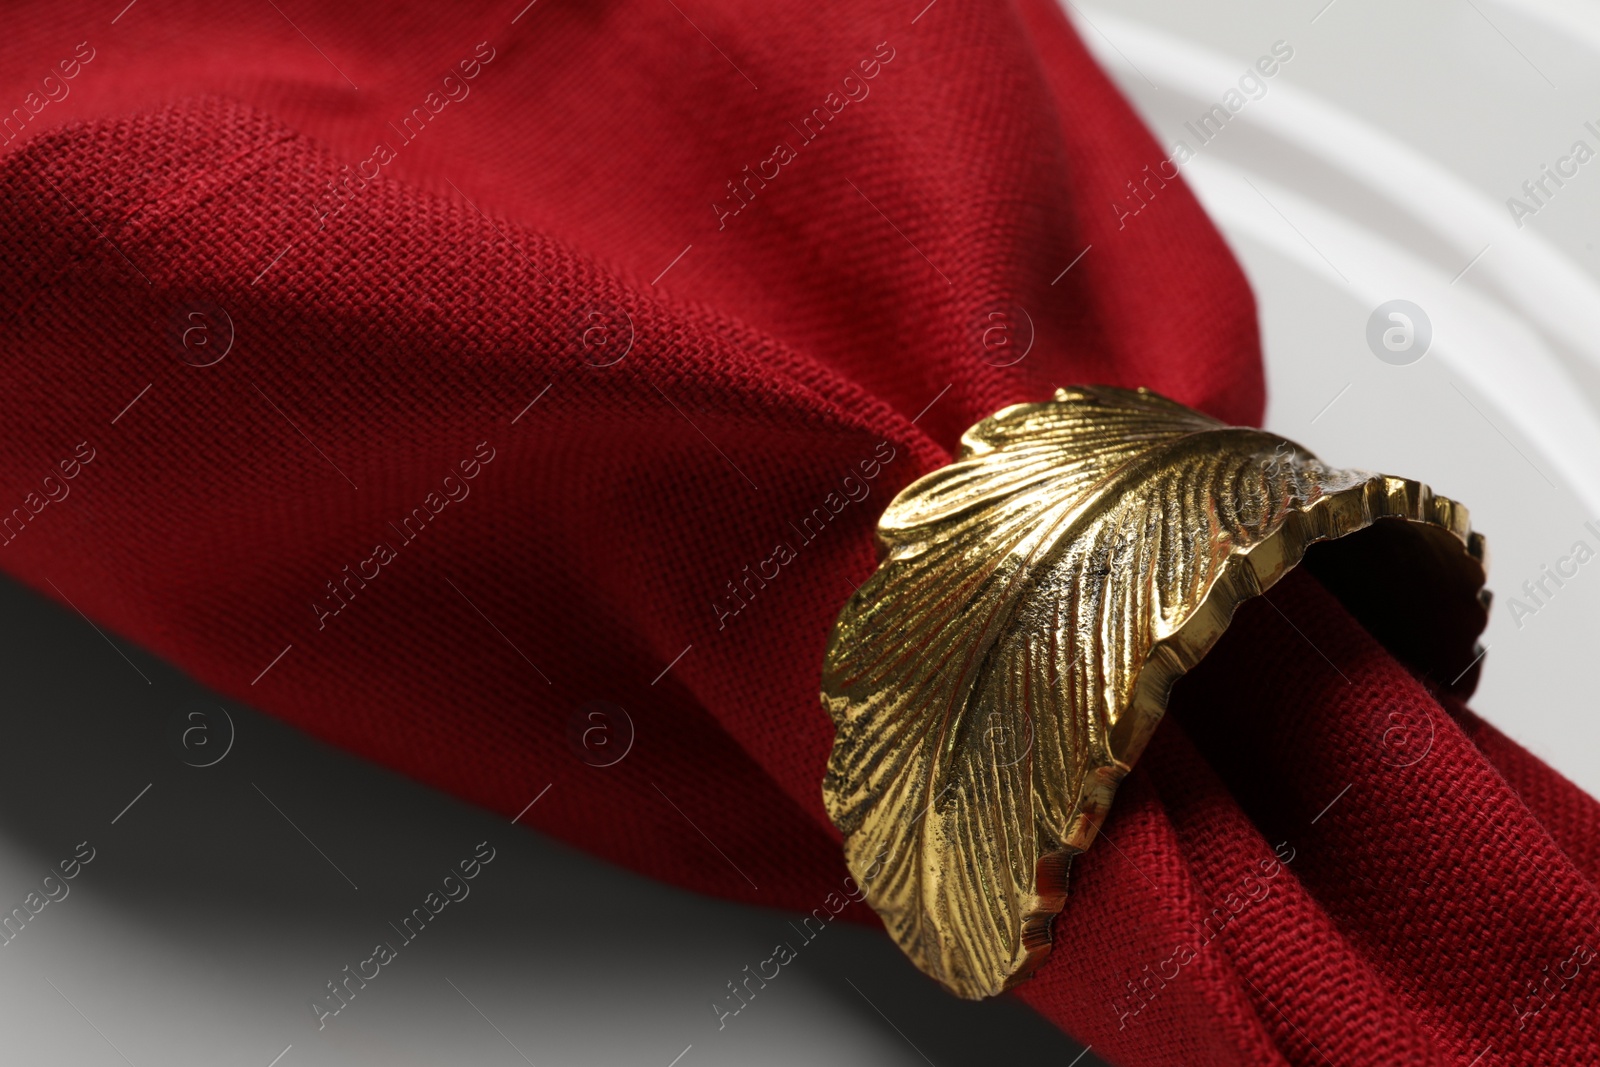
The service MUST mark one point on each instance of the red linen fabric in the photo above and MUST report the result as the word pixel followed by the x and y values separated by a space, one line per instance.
pixel 535 347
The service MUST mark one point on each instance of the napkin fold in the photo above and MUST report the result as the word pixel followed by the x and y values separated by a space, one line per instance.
pixel 508 396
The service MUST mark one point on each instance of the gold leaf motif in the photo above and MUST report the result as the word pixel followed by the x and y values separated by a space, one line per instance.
pixel 1011 657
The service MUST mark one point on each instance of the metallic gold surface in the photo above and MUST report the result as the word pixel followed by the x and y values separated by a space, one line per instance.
pixel 1011 657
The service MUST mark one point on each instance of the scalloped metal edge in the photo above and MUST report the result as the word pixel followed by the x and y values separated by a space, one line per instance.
pixel 1247 573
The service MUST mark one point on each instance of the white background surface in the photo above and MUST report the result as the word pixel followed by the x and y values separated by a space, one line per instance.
pixel 1376 166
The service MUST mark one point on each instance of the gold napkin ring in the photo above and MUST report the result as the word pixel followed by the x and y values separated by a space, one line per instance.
pixel 1004 667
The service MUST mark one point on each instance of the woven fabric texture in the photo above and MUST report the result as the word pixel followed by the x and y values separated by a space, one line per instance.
pixel 427 375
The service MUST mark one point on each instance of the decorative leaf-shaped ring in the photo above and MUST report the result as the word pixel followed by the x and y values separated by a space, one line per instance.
pixel 1011 657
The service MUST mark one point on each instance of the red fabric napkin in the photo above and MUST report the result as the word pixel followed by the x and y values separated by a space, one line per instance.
pixel 439 379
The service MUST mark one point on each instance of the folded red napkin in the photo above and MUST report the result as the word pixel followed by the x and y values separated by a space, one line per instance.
pixel 439 379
